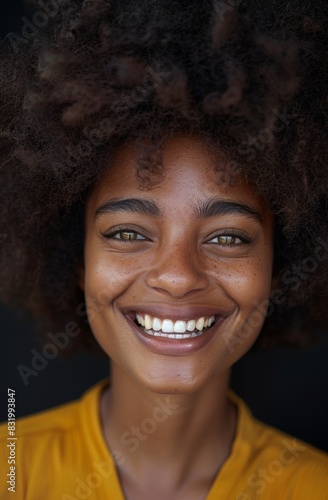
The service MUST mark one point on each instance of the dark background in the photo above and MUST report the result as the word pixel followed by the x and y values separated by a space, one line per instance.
pixel 286 388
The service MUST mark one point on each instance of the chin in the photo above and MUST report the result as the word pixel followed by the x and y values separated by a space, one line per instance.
pixel 174 378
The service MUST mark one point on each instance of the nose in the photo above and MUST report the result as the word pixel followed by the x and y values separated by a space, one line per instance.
pixel 178 271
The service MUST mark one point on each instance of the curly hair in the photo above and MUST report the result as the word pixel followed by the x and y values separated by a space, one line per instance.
pixel 251 77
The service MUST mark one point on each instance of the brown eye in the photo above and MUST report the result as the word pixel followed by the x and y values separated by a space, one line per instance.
pixel 124 235
pixel 127 236
pixel 225 239
pixel 229 240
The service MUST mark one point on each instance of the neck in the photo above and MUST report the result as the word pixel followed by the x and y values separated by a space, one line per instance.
pixel 183 436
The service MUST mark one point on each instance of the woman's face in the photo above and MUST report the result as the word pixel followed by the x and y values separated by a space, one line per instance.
pixel 176 276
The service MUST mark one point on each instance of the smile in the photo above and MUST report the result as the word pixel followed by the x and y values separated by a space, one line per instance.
pixel 168 328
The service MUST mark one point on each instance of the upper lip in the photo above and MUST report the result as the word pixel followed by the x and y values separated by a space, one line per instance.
pixel 184 313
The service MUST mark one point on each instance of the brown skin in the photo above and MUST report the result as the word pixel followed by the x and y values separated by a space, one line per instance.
pixel 177 267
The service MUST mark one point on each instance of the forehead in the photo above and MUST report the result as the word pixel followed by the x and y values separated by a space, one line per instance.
pixel 190 170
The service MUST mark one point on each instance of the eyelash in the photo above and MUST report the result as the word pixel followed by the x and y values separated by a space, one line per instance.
pixel 244 238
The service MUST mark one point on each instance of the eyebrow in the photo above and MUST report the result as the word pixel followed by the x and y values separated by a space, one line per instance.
pixel 217 207
pixel 132 205
pixel 211 208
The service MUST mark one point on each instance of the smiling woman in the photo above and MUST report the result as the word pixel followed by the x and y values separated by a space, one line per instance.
pixel 183 253
pixel 164 167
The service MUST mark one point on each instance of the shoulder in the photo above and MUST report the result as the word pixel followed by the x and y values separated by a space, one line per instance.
pixel 286 450
pixel 275 461
pixel 60 419
pixel 58 442
pixel 55 426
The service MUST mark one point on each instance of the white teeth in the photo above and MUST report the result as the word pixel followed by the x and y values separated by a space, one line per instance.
pixel 157 324
pixel 171 335
pixel 167 326
pixel 180 327
pixel 171 329
pixel 200 324
pixel 147 323
pixel 140 320
pixel 191 325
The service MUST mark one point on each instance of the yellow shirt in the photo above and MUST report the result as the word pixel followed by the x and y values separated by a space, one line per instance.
pixel 61 454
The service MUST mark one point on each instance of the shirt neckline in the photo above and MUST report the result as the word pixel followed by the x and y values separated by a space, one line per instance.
pixel 104 461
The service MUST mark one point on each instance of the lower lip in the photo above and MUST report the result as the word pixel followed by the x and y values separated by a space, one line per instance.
pixel 172 347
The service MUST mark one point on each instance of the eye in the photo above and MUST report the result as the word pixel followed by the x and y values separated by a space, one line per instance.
pixel 224 239
pixel 126 236
pixel 123 234
pixel 230 240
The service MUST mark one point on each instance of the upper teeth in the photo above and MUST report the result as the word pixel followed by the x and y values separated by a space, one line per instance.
pixel 170 326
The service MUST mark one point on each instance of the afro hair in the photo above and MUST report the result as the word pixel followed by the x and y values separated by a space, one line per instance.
pixel 251 77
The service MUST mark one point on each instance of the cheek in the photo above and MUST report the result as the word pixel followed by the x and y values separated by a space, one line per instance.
pixel 245 281
pixel 107 277
pixel 249 288
pixel 253 283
